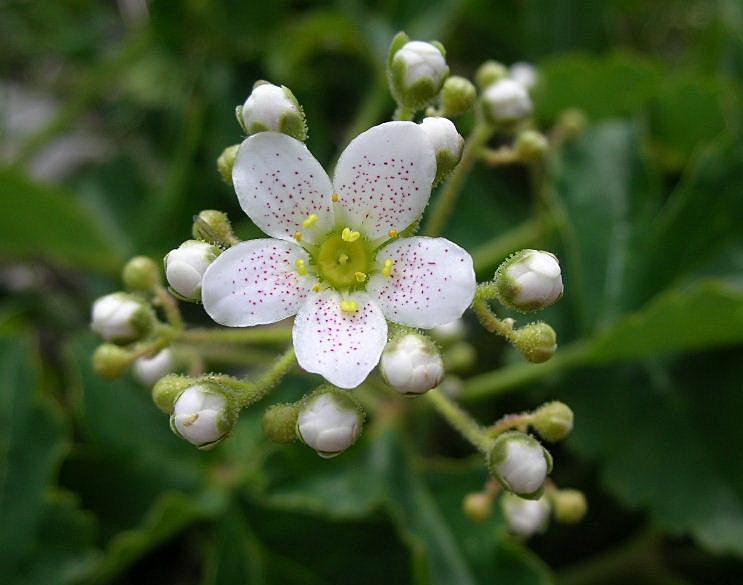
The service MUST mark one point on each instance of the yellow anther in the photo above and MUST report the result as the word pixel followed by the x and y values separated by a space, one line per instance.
pixel 360 276
pixel 301 267
pixel 335 198
pixel 316 288
pixel 298 236
pixel 349 306
pixel 311 220
pixel 387 269
pixel 342 259
pixel 348 235
pixel 392 233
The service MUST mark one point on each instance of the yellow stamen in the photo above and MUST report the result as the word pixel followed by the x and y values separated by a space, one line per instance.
pixel 348 235
pixel 349 306
pixel 301 267
pixel 335 198
pixel 316 288
pixel 342 259
pixel 387 269
pixel 298 236
pixel 392 233
pixel 311 220
pixel 360 276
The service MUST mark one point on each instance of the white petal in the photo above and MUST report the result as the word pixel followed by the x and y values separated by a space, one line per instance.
pixel 255 282
pixel 342 347
pixel 279 184
pixel 432 282
pixel 384 178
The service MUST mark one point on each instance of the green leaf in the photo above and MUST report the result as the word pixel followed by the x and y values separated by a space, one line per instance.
pixel 236 555
pixel 40 221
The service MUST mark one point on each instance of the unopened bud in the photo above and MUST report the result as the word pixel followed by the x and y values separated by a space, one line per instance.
pixel 572 122
pixel 490 72
pixel 478 506
pixel 525 74
pixel 531 145
pixel 202 415
pixel 570 506
pixel 121 318
pixel 447 144
pixel 520 463
pixel 448 332
pixel 214 227
pixel 525 517
pixel 529 280
pixel 226 161
pixel 148 370
pixel 185 267
pixel 111 361
pixel 458 95
pixel 411 364
pixel 553 421
pixel 506 102
pixel 329 421
pixel 270 108
pixel 536 341
pixel 416 70
pixel 141 274
pixel 167 389
pixel 280 423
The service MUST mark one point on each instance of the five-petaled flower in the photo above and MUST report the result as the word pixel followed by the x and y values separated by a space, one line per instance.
pixel 336 257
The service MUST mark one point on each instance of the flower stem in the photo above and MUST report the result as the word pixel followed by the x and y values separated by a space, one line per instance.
pixel 280 368
pixel 267 335
pixel 505 155
pixel 170 306
pixel 403 113
pixel 460 420
pixel 508 422
pixel 444 205
pixel 490 322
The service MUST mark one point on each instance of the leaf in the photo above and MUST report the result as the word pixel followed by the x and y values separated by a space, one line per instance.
pixel 236 555
pixel 40 221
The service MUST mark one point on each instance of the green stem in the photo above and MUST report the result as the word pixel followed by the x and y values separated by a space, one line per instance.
pixel 258 335
pixel 505 155
pixel 170 306
pixel 280 368
pixel 460 420
pixel 490 322
pixel 445 202
pixel 403 113
pixel 508 422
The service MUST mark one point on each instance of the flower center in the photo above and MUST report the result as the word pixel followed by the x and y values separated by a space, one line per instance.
pixel 344 259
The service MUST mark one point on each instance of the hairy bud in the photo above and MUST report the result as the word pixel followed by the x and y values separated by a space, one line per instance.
pixel 121 318
pixel 416 71
pixel 520 463
pixel 202 415
pixel 329 421
pixel 280 423
pixel 458 95
pixel 185 267
pixel 411 364
pixel 553 421
pixel 447 144
pixel 525 517
pixel 141 274
pixel 270 108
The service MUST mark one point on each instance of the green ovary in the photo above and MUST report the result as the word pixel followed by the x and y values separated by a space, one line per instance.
pixel 339 261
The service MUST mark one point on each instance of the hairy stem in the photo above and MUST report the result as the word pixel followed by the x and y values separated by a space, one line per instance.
pixel 403 113
pixel 460 420
pixel 170 306
pixel 490 322
pixel 258 335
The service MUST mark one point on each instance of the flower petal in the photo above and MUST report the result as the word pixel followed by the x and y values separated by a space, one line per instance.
pixel 279 184
pixel 341 347
pixel 384 178
pixel 255 282
pixel 432 282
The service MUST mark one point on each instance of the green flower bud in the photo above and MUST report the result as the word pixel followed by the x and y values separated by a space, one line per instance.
pixel 531 145
pixel 490 72
pixel 416 71
pixel 570 506
pixel 141 274
pixel 520 463
pixel 167 389
pixel 478 507
pixel 280 423
pixel 111 361
pixel 536 341
pixel 553 421
pixel 203 414
pixel 226 161
pixel 457 96
pixel 213 227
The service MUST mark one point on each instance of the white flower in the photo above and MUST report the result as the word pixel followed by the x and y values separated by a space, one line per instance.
pixel 272 108
pixel 150 370
pixel 337 260
pixel 520 463
pixel 120 318
pixel 530 280
pixel 525 517
pixel 329 423
pixel 525 74
pixel 200 415
pixel 446 142
pixel 420 60
pixel 185 267
pixel 411 364
pixel 506 100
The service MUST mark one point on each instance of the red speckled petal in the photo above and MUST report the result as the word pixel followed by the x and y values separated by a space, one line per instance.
pixel 255 282
pixel 342 347
pixel 384 178
pixel 432 282
pixel 279 184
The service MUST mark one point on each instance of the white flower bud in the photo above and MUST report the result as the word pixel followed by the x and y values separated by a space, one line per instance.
pixel 520 463
pixel 185 267
pixel 417 72
pixel 329 422
pixel 525 74
pixel 446 142
pixel 529 280
pixel 525 517
pixel 148 370
pixel 270 108
pixel 411 364
pixel 120 318
pixel 506 101
pixel 451 331
pixel 201 415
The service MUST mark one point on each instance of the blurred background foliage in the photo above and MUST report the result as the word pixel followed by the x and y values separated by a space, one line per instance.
pixel 111 117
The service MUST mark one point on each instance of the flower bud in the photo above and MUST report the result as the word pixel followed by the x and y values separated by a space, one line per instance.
pixel 553 421
pixel 570 506
pixel 457 96
pixel 141 274
pixel 446 142
pixel 148 370
pixel 536 341
pixel 531 145
pixel 529 280
pixel 525 74
pixel 226 161
pixel 214 227
pixel 478 506
pixel 490 72
pixel 520 463
pixel 525 517
pixel 280 423
pixel 121 318
pixel 168 388
pixel 185 267
pixel 416 70
pixel 111 361
pixel 270 108
pixel 448 332
pixel 202 415
pixel 506 102
pixel 411 364
pixel 329 421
